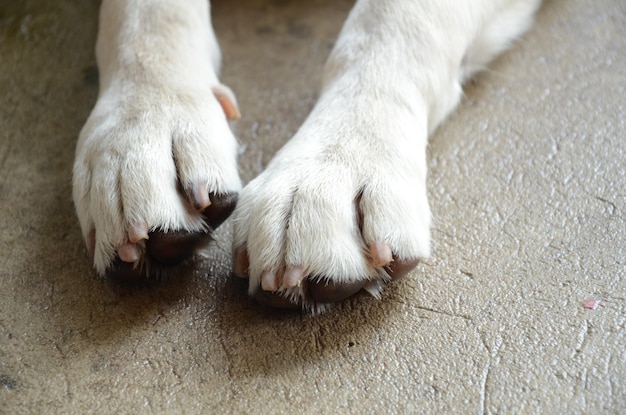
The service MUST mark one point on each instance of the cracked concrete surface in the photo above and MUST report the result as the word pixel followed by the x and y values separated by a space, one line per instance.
pixel 527 186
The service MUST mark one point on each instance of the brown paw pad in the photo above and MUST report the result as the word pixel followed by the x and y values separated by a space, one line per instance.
pixel 126 272
pixel 172 248
pixel 222 205
pixel 399 268
pixel 327 292
pixel 319 292
pixel 274 300
pixel 165 249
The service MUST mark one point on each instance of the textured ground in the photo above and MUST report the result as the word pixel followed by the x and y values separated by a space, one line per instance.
pixel 528 191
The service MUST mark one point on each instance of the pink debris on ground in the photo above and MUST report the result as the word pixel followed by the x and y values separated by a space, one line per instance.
pixel 592 304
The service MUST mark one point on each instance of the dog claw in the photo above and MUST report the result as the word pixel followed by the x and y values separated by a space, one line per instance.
pixel 381 254
pixel 228 101
pixel 293 277
pixel 316 290
pixel 168 248
pixel 129 252
pixel 269 281
pixel 162 249
pixel 137 233
pixel 199 197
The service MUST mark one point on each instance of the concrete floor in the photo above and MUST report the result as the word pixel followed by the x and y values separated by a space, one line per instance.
pixel 528 191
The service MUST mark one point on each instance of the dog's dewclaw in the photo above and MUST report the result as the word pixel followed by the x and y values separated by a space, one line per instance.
pixel 226 97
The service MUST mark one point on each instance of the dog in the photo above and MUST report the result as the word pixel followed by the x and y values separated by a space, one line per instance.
pixel 341 208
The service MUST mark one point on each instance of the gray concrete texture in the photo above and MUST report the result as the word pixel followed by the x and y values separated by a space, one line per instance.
pixel 528 189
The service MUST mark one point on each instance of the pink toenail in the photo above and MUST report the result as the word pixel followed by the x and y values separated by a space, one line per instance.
pixel 269 281
pixel 381 254
pixel 293 277
pixel 199 197
pixel 129 253
pixel 137 233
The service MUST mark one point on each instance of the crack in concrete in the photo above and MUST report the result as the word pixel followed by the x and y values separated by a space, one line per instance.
pixel 490 354
pixel 585 334
pixel 445 313
pixel 612 206
pixel 483 388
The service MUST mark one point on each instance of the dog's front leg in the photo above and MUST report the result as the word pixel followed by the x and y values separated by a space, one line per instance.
pixel 343 206
pixel 155 165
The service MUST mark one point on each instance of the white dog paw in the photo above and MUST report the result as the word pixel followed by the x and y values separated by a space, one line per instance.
pixel 155 172
pixel 339 209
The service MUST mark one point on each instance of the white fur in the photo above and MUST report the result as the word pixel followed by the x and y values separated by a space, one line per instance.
pixel 156 121
pixel 395 73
